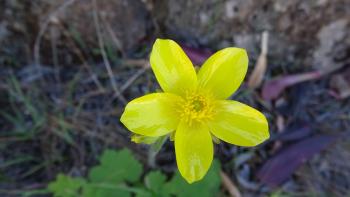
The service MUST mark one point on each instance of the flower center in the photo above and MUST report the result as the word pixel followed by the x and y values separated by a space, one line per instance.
pixel 195 107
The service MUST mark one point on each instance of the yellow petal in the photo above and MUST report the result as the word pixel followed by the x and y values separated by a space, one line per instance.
pixel 194 151
pixel 239 124
pixel 152 115
pixel 172 68
pixel 224 72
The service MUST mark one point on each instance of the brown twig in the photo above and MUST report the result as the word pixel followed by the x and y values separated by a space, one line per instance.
pixel 229 185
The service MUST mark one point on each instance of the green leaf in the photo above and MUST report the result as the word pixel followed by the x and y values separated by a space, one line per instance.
pixel 107 179
pixel 116 167
pixel 155 181
pixel 66 186
pixel 104 190
pixel 208 186
pixel 118 174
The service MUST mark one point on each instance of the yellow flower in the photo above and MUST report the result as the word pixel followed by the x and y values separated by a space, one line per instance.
pixel 193 108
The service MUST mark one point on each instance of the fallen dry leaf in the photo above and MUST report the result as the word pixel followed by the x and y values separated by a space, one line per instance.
pixel 295 134
pixel 273 88
pixel 197 56
pixel 281 166
pixel 280 123
pixel 340 83
pixel 260 67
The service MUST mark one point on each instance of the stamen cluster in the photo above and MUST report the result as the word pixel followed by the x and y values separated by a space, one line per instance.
pixel 195 107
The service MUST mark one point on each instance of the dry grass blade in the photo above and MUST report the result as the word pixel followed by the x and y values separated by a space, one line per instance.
pixel 229 185
pixel 136 62
pixel 70 42
pixel 43 28
pixel 260 66
pixel 104 54
pixel 127 84
pixel 114 37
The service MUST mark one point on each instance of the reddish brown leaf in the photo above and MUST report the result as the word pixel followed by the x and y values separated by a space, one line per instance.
pixel 273 88
pixel 281 166
pixel 295 134
pixel 197 56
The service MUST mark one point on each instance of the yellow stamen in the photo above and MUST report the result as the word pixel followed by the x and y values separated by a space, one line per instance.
pixel 196 107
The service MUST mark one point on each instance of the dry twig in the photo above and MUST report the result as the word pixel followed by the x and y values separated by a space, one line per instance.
pixel 229 185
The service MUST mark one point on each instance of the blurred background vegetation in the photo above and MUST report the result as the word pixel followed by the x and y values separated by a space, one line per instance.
pixel 68 67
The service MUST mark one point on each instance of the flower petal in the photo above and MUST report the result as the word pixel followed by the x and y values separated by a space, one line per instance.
pixel 172 68
pixel 239 124
pixel 194 151
pixel 152 115
pixel 224 72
